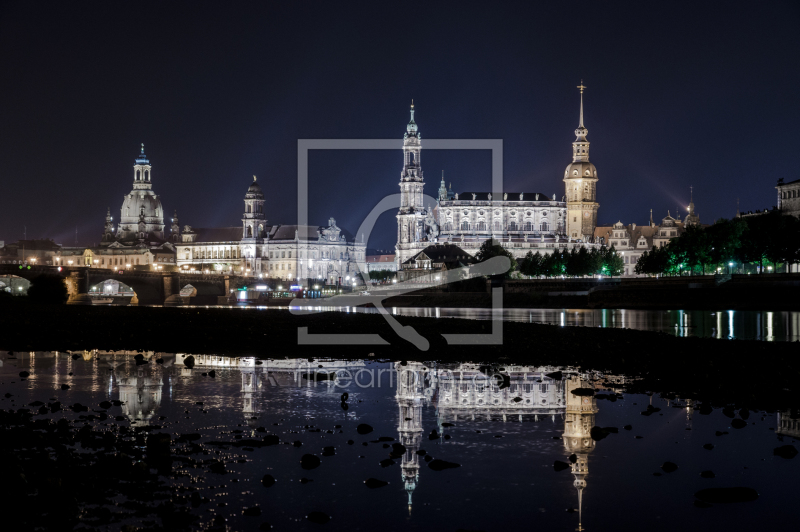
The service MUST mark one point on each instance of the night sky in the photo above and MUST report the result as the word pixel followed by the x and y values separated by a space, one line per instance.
pixel 679 95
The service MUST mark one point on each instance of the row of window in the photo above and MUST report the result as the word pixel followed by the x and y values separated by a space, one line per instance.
pixel 790 194
pixel 513 226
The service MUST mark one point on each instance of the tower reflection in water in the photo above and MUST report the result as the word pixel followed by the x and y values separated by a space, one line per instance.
pixel 465 393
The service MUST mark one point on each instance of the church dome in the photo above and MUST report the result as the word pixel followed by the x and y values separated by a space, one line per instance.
pixel 580 170
pixel 254 191
pixel 142 202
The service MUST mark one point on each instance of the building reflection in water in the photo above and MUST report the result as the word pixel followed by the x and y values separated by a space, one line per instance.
pixel 464 393
pixel 578 441
pixel 139 386
pixel 788 424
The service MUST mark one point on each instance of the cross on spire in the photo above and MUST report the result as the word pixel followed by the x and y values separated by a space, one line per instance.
pixel 142 148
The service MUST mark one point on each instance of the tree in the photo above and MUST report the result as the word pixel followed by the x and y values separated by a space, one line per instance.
pixel 531 265
pixel 48 289
pixel 490 249
pixel 612 262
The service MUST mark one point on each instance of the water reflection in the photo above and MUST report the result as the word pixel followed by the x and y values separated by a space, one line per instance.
pixel 533 408
pixel 468 393
pixel 742 324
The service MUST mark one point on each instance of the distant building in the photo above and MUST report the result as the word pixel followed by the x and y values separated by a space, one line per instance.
pixel 631 241
pixel 519 221
pixel 381 262
pixel 285 252
pixel 431 263
pixel 789 197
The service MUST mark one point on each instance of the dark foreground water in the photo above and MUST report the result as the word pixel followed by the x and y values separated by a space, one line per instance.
pixel 440 447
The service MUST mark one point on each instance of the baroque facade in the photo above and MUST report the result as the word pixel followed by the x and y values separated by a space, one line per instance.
pixel 285 252
pixel 519 221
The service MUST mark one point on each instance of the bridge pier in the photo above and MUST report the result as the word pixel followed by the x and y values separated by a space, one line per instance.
pixel 79 282
pixel 171 287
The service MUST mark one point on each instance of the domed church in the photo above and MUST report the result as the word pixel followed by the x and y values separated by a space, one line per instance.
pixel 142 216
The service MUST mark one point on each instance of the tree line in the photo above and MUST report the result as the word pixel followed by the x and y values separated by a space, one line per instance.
pixel 767 242
pixel 578 262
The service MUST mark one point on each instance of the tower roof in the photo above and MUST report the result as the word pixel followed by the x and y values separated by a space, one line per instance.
pixel 412 126
pixel 141 158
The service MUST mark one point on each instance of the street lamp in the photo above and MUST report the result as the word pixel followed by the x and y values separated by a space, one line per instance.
pixel 730 265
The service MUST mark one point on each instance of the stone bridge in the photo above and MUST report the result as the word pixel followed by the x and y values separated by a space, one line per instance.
pixel 151 288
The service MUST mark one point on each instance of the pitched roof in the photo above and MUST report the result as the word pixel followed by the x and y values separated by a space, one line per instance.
pixel 218 234
pixel 380 258
pixel 444 253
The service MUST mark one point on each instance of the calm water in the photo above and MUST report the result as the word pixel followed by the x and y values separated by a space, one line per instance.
pixel 741 324
pixel 506 448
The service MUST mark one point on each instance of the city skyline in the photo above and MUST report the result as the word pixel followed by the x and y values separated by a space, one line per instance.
pixel 218 108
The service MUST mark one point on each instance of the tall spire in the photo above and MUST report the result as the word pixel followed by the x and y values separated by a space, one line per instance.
pixel 582 88
pixel 142 148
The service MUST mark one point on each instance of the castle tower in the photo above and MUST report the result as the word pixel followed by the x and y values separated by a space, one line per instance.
pixel 578 424
pixel 410 217
pixel 580 185
pixel 410 396
pixel 141 200
pixel 253 220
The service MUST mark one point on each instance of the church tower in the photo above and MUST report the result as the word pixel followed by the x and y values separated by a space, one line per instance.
pixel 108 231
pixel 580 185
pixel 410 218
pixel 175 229
pixel 253 220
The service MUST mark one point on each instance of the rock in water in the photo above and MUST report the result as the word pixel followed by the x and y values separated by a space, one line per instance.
pixel 669 467
pixel 440 465
pixel 708 446
pixel 707 474
pixel 373 483
pixel 253 511
pixel 738 423
pixel 319 518
pixel 785 451
pixel 24 374
pixel 268 481
pixel 309 461
pixel 364 429
pixel 727 495
pixel 189 362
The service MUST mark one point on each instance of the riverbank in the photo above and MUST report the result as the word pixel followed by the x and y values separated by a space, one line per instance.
pixel 704 368
pixel 776 292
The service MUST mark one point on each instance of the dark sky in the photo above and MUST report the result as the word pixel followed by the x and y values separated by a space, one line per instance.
pixel 680 95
